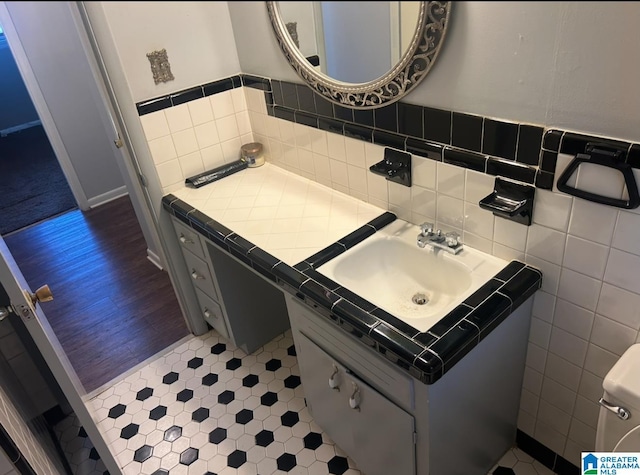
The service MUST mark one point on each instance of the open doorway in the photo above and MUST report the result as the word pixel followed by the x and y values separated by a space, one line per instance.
pixel 31 178
pixel 112 307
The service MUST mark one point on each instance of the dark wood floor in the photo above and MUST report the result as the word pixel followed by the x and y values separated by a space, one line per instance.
pixel 112 308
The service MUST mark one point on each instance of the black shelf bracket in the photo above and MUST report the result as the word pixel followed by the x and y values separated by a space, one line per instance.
pixel 510 200
pixel 602 155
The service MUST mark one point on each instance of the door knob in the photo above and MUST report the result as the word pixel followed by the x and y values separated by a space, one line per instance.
pixel 43 294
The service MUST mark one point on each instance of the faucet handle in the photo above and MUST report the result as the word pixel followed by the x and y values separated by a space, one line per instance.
pixel 452 238
pixel 426 229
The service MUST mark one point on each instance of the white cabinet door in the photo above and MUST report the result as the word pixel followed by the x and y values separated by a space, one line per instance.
pixel 372 430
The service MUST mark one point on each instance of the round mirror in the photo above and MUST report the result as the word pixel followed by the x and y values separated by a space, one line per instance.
pixel 360 54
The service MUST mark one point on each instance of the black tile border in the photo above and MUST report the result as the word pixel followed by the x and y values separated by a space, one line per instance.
pixel 424 355
pixel 545 455
pixel 518 151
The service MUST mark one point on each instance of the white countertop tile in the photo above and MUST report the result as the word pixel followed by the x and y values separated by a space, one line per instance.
pixel 286 215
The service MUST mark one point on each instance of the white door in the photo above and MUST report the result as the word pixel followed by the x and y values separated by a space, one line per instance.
pixel 36 323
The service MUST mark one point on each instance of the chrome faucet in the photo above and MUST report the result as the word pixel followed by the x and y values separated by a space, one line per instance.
pixel 450 242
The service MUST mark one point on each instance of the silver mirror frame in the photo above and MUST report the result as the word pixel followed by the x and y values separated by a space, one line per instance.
pixel 414 65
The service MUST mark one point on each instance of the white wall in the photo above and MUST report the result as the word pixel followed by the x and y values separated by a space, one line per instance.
pixel 557 64
pixel 197 36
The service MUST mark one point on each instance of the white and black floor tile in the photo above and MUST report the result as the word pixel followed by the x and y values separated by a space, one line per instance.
pixel 83 458
pixel 517 462
pixel 206 408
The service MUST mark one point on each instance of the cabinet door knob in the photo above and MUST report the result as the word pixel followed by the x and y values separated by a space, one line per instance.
pixel 333 379
pixel 354 400
pixel 184 240
pixel 195 275
pixel 206 313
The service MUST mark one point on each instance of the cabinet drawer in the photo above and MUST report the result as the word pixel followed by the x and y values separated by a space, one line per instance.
pixel 200 274
pixel 212 313
pixel 188 238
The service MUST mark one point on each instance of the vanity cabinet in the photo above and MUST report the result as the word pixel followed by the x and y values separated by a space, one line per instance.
pixel 201 275
pixel 238 303
pixel 389 422
pixel 351 411
pixel 363 404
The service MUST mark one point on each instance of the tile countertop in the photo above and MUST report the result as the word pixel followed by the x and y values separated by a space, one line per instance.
pixel 285 226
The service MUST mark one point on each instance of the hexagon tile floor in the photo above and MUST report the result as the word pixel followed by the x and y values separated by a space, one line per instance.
pixel 206 408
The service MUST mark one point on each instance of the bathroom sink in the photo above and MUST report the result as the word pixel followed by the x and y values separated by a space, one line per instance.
pixel 417 285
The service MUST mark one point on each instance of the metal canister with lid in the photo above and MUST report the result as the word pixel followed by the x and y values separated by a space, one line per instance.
pixel 253 154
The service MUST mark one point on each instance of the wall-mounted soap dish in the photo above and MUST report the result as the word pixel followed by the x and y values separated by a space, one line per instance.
pixel 395 167
pixel 510 200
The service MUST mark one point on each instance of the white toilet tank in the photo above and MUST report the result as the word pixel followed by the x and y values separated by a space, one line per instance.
pixel 622 396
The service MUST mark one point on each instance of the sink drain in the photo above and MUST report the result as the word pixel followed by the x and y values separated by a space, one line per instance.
pixel 420 299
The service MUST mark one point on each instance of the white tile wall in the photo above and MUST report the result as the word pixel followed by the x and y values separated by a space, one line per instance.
pixel 587 312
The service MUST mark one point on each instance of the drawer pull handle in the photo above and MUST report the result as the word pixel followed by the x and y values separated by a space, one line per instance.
pixel 207 313
pixel 619 411
pixel 184 240
pixel 333 380
pixel 354 400
pixel 195 275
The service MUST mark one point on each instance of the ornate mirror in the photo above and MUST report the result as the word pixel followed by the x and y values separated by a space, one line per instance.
pixel 361 55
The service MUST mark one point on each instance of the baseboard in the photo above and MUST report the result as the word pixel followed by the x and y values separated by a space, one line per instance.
pixel 155 259
pixel 18 128
pixel 545 455
pixel 108 196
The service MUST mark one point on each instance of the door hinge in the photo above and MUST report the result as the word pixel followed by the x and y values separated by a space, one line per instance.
pixel 415 439
pixel 143 180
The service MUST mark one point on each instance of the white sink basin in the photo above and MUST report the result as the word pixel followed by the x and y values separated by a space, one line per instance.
pixel 417 285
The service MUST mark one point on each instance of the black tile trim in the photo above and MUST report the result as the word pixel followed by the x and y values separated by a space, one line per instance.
pixel 187 95
pixel 396 340
pixel 154 105
pixel 357 236
pixel 256 82
pixel 355 299
pixel 544 180
pixel 548 161
pixel 510 169
pixel 306 118
pixel 284 113
pixel 358 132
pixel 217 87
pixel 355 315
pixel 461 158
pixel 325 255
pixel 381 221
pixel 456 343
pixel 535 148
pixel 544 455
pixel 423 148
pixel 529 144
pixel 319 294
pixel 551 140
pixel 389 139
